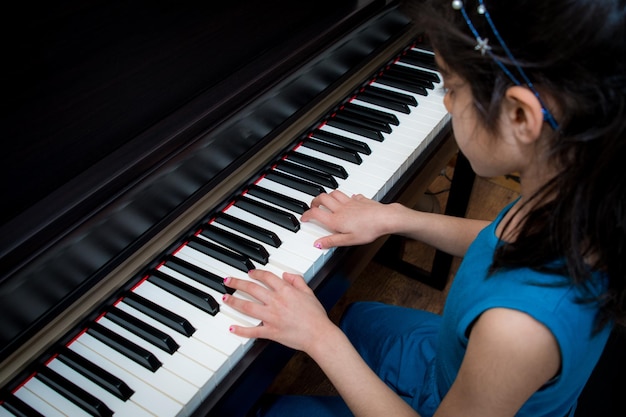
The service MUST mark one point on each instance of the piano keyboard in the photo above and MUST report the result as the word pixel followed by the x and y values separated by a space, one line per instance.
pixel 164 346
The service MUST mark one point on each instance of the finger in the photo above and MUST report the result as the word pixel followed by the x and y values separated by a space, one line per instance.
pixel 269 279
pixel 335 240
pixel 249 287
pixel 296 280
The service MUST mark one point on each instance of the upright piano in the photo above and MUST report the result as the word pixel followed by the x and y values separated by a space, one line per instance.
pixel 152 148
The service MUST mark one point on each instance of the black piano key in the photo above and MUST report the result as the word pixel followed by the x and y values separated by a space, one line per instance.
pixel 419 59
pixel 355 128
pixel 415 73
pixel 145 331
pixel 234 259
pixel 94 373
pixel 316 163
pixel 300 171
pixel 160 314
pixel 253 250
pixel 402 108
pixel 198 274
pixel 407 82
pixel 185 292
pixel 127 348
pixel 299 184
pixel 18 407
pixel 249 229
pixel 279 199
pixel 348 143
pixel 334 150
pixel 269 213
pixel 381 116
pixel 363 121
pixel 402 85
pixel 394 96
pixel 73 392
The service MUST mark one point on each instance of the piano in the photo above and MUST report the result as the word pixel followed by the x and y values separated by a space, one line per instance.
pixel 154 148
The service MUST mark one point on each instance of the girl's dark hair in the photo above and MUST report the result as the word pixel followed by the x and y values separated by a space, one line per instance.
pixel 574 52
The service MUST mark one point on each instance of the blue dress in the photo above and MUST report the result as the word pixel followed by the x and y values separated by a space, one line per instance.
pixel 418 353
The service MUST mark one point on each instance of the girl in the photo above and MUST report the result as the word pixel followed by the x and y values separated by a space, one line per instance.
pixel 536 88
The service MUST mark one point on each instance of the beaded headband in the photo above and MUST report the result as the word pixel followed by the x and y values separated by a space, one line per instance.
pixel 482 45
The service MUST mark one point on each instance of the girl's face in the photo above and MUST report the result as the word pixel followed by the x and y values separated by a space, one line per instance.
pixel 489 155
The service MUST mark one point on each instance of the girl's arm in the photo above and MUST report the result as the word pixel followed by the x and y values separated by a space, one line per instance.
pixel 357 220
pixel 293 317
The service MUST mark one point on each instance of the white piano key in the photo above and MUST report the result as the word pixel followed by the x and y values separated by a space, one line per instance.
pixel 202 321
pixel 178 364
pixel 5 413
pixel 193 347
pixel 37 403
pixel 118 406
pixel 162 379
pixel 49 395
pixel 155 401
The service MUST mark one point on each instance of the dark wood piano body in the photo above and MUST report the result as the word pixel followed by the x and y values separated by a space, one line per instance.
pixel 127 124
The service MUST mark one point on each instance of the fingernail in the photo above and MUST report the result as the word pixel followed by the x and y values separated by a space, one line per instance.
pixel 226 280
pixel 224 297
pixel 318 245
pixel 231 329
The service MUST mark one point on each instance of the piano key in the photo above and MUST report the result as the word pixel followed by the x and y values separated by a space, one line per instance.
pixel 211 331
pixel 319 164
pixel 130 350
pixel 180 365
pixel 391 105
pixel 249 229
pixel 190 294
pixel 224 270
pixel 357 128
pixel 278 217
pixel 402 85
pixel 247 247
pixel 299 244
pixel 283 257
pixel 204 277
pixel 156 401
pixel 162 379
pixel 355 145
pixel 117 405
pixel 305 186
pixel 97 375
pixel 286 202
pixel 413 72
pixel 214 333
pixel 13 406
pixel 233 259
pixel 155 337
pixel 46 400
pixel 321 178
pixel 392 96
pixel 362 120
pixel 162 315
pixel 37 403
pixel 334 150
pixel 410 76
pixel 379 115
pixel 73 393
pixel 419 58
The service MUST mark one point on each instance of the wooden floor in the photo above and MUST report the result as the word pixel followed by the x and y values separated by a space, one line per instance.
pixel 301 375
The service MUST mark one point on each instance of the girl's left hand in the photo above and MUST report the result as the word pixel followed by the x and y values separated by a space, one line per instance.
pixel 290 312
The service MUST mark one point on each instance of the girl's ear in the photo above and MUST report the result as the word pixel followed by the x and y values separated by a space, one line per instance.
pixel 522 110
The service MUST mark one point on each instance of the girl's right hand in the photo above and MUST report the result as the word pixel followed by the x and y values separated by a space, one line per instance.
pixel 353 220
